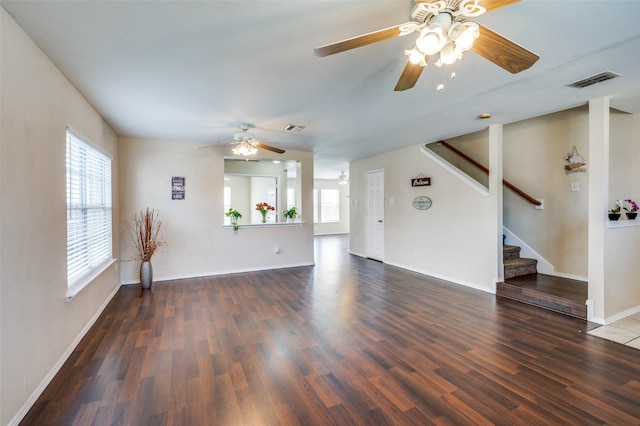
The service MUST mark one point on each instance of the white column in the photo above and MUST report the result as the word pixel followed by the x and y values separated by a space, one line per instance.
pixel 598 204
pixel 496 193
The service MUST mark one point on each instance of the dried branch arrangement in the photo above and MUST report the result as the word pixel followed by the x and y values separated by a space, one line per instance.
pixel 144 231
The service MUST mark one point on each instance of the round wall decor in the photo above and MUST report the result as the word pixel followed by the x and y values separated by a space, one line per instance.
pixel 421 203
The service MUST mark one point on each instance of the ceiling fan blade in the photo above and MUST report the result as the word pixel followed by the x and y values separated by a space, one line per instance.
pixel 270 148
pixel 492 5
pixel 503 52
pixel 359 41
pixel 409 76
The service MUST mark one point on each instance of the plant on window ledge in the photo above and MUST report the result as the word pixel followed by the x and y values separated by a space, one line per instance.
pixel 264 208
pixel 235 216
pixel 631 212
pixel 614 213
pixel 290 214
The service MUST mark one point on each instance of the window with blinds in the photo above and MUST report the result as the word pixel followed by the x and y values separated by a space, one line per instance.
pixel 88 210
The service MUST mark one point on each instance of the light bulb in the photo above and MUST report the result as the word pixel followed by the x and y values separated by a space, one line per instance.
pixel 415 57
pixel 448 54
pixel 430 41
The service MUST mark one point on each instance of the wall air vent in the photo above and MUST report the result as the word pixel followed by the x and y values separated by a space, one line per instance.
pixel 293 128
pixel 598 78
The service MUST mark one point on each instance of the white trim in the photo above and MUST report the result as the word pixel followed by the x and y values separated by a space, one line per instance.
pixel 216 273
pixel 56 368
pixel 81 283
pixel 544 267
pixel 442 277
pixel 621 315
pixel 265 225
pixel 622 223
pixel 455 171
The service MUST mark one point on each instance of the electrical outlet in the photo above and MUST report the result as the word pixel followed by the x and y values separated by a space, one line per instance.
pixel 541 206
pixel 575 186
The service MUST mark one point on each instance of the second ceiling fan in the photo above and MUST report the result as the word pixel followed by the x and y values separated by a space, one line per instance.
pixel 247 144
pixel 446 30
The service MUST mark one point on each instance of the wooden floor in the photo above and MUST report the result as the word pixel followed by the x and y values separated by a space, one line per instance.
pixel 557 286
pixel 349 341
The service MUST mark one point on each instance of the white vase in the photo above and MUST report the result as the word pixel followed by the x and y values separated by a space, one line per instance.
pixel 146 275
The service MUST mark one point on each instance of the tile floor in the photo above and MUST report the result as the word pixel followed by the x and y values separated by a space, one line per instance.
pixel 625 331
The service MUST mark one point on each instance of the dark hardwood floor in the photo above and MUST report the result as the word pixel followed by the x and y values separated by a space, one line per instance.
pixel 349 341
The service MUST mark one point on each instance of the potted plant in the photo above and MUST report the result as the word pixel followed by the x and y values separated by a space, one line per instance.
pixel 144 229
pixel 290 214
pixel 631 212
pixel 614 213
pixel 235 216
pixel 264 208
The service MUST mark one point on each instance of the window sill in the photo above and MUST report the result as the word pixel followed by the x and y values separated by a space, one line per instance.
pixel 266 225
pixel 622 223
pixel 81 283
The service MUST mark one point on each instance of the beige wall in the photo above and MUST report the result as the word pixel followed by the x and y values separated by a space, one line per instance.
pixel 38 328
pixel 622 243
pixel 197 242
pixel 534 161
pixel 455 239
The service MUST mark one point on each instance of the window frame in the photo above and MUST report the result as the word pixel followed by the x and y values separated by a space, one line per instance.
pixel 89 214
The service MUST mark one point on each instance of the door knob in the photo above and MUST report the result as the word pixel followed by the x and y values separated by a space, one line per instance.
pixel 379 220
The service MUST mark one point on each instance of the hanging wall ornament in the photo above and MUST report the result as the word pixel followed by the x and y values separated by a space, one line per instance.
pixel 575 162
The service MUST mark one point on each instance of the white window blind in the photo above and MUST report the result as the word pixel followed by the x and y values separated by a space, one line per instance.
pixel 89 232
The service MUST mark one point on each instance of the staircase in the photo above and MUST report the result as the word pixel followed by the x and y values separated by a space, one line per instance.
pixel 516 266
pixel 524 284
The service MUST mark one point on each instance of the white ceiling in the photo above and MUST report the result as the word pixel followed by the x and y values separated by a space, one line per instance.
pixel 195 70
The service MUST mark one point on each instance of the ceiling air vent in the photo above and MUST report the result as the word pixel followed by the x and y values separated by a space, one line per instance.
pixel 598 78
pixel 293 128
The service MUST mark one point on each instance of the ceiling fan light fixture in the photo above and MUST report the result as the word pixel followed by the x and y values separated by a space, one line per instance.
pixel 449 54
pixel 343 179
pixel 416 57
pixel 464 34
pixel 431 40
pixel 244 148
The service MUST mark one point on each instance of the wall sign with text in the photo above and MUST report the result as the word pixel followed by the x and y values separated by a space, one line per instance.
pixel 421 203
pixel 177 188
pixel 421 181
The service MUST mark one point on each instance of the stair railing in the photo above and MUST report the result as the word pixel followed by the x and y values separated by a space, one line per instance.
pixel 506 183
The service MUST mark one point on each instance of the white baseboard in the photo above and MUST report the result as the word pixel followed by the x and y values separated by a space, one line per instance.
pixel 444 278
pixel 56 368
pixel 212 274
pixel 621 315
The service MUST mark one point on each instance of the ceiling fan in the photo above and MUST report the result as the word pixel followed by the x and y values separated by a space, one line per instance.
pixel 247 144
pixel 444 28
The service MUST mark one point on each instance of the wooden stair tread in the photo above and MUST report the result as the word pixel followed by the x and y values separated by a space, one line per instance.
pixel 520 261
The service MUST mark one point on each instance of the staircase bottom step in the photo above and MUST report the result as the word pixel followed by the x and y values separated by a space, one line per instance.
pixel 543 300
pixel 519 267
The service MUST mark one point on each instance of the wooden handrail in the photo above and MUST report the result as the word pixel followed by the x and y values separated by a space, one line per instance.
pixel 486 170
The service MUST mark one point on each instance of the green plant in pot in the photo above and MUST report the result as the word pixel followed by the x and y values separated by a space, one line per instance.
pixel 632 211
pixel 614 213
pixel 235 216
pixel 144 230
pixel 290 214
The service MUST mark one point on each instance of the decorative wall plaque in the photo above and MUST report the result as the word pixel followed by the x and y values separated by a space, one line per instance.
pixel 421 180
pixel 421 203
pixel 177 188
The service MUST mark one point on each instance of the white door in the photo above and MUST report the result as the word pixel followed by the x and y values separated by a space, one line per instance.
pixel 374 215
